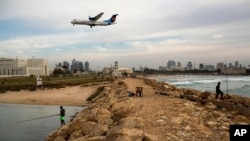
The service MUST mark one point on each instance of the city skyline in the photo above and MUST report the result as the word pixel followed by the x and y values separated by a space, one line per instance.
pixel 149 35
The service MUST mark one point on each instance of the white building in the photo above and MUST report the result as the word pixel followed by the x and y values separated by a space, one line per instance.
pixel 19 67
pixel 241 70
pixel 121 71
pixel 41 64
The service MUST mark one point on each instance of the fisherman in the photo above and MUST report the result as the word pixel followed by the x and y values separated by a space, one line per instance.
pixel 62 115
pixel 218 91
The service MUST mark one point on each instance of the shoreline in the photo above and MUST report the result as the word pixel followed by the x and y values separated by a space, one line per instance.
pixel 68 96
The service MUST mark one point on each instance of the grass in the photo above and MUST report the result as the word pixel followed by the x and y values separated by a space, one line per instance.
pixel 29 83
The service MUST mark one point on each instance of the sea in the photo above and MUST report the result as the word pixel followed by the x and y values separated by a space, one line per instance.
pixel 20 122
pixel 238 85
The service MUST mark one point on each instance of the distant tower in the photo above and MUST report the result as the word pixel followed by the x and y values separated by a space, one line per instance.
pixel 116 65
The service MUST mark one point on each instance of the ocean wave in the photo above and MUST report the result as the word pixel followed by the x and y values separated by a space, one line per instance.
pixel 247 86
pixel 191 82
pixel 180 83
pixel 239 85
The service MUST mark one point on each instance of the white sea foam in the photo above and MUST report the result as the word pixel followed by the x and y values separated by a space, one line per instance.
pixel 231 84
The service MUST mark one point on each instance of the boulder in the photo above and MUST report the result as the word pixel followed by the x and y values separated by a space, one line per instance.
pixel 97 114
pixel 59 138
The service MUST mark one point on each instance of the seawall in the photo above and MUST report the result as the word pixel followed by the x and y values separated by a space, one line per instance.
pixel 164 112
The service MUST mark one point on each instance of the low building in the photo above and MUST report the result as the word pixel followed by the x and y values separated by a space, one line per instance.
pixel 122 71
pixel 116 73
pixel 241 70
pixel 19 67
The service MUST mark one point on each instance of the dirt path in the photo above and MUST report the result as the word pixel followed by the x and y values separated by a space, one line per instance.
pixel 165 116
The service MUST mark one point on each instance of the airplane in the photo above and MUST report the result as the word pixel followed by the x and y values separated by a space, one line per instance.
pixel 93 21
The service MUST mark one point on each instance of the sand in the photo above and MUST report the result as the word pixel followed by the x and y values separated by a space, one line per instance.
pixel 69 96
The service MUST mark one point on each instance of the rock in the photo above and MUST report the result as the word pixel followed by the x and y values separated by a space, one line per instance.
pixel 211 106
pixel 240 118
pixel 63 131
pixel 51 136
pixel 160 120
pixel 211 124
pixel 76 134
pixel 122 109
pixel 88 127
pixel 120 133
pixel 97 114
pixel 204 95
pixel 175 93
pixel 59 138
pixel 241 123
pixel 97 138
pixel 134 133
pixel 100 130
pixel 188 128
pixel 224 128
pixel 131 122
pixel 218 114
pixel 176 120
pixel 150 137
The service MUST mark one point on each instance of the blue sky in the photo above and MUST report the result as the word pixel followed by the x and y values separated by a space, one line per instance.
pixel 147 33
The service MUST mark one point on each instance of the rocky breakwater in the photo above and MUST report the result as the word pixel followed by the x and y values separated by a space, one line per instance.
pixel 107 118
pixel 163 113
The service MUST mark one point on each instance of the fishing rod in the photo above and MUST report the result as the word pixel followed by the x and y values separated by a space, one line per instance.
pixel 36 118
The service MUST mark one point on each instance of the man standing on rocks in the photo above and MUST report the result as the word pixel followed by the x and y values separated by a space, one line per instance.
pixel 218 91
pixel 62 115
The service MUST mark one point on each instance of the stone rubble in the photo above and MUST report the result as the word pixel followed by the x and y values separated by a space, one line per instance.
pixel 113 116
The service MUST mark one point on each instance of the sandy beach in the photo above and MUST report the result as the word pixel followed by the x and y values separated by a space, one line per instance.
pixel 70 96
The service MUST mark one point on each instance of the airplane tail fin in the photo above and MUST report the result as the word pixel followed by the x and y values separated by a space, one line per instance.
pixel 112 19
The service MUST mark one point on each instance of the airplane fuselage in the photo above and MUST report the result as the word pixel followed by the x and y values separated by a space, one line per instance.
pixel 93 21
pixel 90 23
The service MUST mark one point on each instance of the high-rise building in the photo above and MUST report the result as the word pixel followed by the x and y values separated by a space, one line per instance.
pixel 201 67
pixel 59 65
pixel 179 64
pixel 66 66
pixel 171 64
pixel 220 65
pixel 77 66
pixel 189 65
pixel 87 66
pixel 236 64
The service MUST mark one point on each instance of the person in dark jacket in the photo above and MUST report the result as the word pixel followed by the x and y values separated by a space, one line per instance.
pixel 218 91
pixel 62 115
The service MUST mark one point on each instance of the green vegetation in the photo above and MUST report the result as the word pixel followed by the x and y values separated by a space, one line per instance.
pixel 97 92
pixel 29 83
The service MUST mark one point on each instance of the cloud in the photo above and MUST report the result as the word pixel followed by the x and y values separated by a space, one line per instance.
pixel 147 33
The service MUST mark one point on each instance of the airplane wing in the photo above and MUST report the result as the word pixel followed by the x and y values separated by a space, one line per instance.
pixel 96 17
